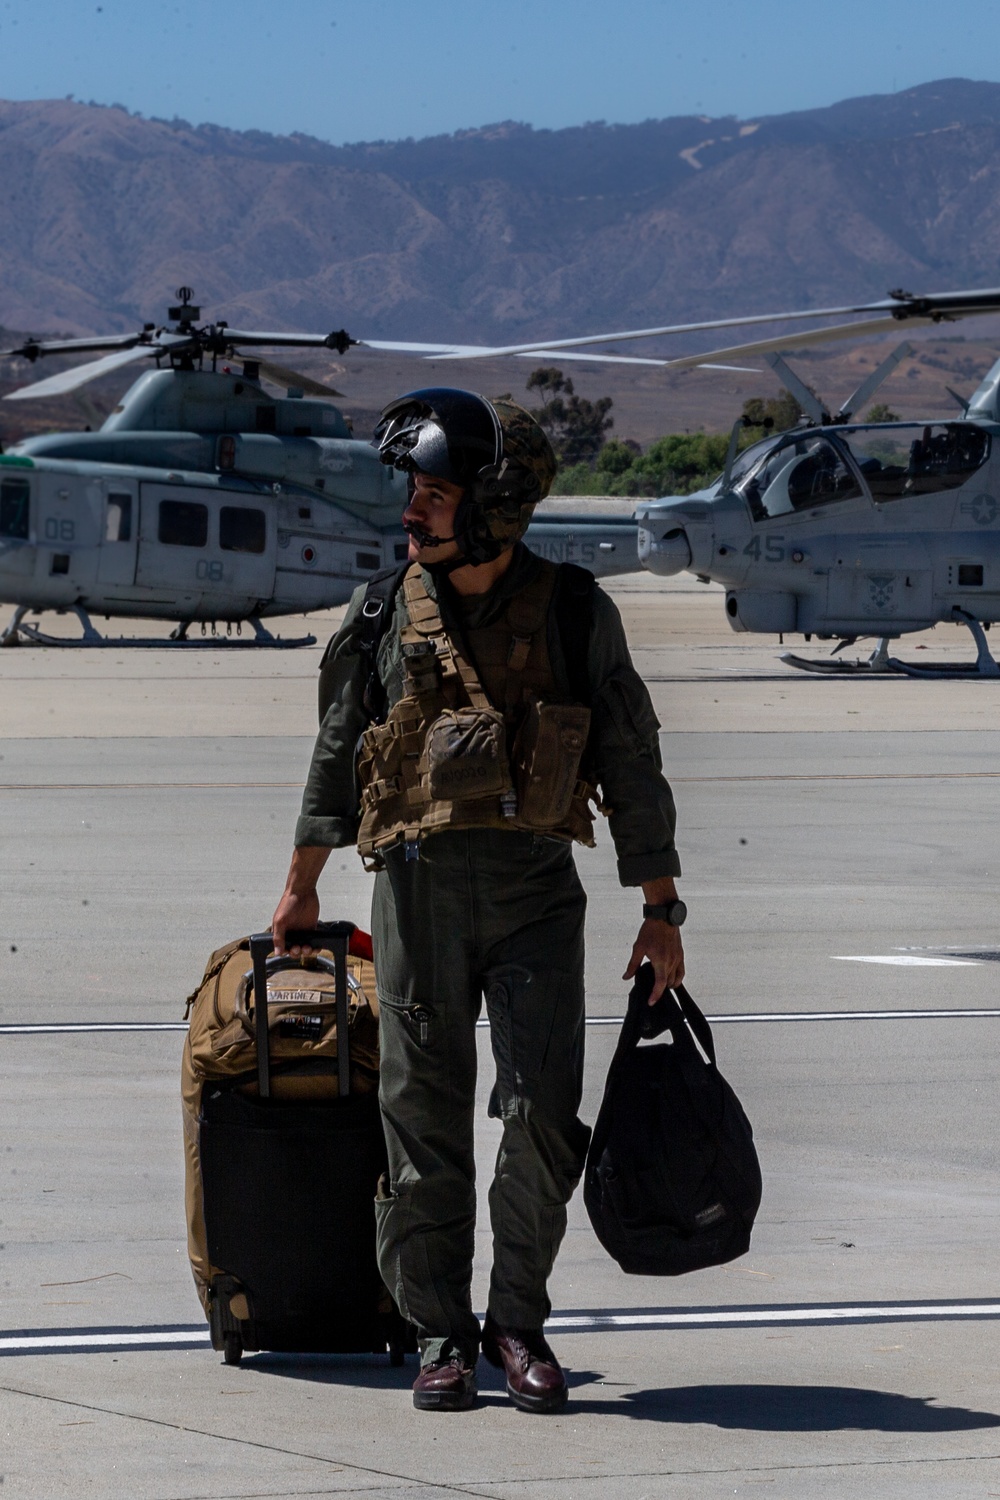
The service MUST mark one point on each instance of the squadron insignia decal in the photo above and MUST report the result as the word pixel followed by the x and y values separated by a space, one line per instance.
pixel 882 593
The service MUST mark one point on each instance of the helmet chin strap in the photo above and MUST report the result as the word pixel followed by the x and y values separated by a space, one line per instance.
pixel 423 537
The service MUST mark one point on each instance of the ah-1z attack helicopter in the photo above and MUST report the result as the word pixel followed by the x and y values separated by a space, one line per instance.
pixel 203 498
pixel 848 530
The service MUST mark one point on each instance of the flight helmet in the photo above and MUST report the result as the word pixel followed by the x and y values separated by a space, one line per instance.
pixel 495 450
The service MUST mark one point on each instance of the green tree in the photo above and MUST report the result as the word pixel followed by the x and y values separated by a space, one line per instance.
pixel 675 464
pixel 881 413
pixel 778 412
pixel 617 455
pixel 576 427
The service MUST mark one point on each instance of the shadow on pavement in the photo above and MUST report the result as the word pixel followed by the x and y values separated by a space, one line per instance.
pixel 752 1408
pixel 374 1370
pixel 795 1408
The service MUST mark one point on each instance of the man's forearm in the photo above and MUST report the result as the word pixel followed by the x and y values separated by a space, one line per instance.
pixel 307 866
pixel 658 892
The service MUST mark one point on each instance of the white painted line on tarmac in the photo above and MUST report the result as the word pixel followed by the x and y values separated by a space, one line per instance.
pixel 748 1018
pixel 892 1312
pixel 196 1336
pixel 91 1339
pixel 768 1017
pixel 906 960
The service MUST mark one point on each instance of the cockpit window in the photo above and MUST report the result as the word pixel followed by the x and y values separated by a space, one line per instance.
pixel 917 460
pixel 749 459
pixel 802 472
pixel 15 495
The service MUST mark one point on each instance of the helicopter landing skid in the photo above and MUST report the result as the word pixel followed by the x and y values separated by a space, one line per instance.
pixel 19 633
pixel 881 662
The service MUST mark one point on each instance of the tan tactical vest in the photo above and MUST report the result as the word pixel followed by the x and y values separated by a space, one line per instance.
pixel 463 751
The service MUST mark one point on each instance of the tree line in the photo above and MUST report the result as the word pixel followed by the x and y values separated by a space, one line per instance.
pixel 593 463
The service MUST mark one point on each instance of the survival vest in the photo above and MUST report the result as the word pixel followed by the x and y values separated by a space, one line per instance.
pixel 484 745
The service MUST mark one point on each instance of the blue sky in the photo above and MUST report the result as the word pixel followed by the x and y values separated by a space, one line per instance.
pixel 351 70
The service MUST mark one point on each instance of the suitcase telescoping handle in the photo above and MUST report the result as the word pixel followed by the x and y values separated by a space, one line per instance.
pixel 332 935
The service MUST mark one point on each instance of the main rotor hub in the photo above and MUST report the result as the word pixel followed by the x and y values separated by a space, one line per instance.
pixel 186 312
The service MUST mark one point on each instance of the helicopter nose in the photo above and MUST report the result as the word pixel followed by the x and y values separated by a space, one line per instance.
pixel 663 549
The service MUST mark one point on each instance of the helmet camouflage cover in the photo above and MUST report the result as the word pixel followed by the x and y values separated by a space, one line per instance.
pixel 494 449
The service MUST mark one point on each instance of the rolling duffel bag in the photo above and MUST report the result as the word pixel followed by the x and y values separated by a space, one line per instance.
pixel 672 1182
pixel 284 1149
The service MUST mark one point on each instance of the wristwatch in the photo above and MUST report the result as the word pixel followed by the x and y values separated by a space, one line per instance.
pixel 673 912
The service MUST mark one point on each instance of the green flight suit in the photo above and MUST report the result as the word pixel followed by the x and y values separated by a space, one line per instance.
pixel 494 913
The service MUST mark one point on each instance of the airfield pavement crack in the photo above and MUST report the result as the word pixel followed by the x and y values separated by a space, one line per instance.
pixel 222 1437
pixel 854 1463
pixel 492 1486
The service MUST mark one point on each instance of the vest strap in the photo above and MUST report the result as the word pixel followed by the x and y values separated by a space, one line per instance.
pixel 426 622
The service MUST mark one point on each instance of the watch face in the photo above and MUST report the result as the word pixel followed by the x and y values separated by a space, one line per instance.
pixel 678 913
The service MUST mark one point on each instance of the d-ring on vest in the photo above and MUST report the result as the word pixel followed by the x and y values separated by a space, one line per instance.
pixel 475 749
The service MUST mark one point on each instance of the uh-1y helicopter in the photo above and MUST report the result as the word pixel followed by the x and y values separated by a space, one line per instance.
pixel 205 499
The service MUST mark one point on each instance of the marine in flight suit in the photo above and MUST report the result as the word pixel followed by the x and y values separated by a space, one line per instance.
pixel 470 904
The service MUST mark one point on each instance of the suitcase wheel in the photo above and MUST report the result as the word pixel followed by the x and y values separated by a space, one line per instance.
pixel 232 1349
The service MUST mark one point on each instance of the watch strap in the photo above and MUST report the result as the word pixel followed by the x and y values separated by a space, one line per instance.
pixel 666 912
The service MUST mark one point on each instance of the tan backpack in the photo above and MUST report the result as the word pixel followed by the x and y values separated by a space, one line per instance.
pixel 303 1046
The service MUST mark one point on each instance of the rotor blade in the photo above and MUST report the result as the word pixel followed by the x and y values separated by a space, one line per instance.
pixel 903 306
pixel 69 380
pixel 35 348
pixel 457 351
pixel 623 359
pixel 293 379
pixel 805 340
pixel 339 340
pixel 710 359
pixel 857 399
pixel 807 399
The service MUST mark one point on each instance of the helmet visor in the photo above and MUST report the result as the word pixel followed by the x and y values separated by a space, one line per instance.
pixel 450 434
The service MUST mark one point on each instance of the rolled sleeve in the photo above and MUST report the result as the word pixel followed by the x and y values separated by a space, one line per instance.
pixel 624 751
pixel 330 803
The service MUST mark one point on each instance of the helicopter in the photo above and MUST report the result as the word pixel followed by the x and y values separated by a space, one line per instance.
pixel 840 529
pixel 203 499
pixel 849 530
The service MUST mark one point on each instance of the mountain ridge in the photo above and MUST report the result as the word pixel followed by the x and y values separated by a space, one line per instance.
pixel 498 233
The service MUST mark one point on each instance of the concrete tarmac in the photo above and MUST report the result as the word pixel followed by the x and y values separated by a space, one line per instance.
pixel 840 845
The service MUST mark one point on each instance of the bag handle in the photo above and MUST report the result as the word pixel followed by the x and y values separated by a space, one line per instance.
pixel 671 1011
pixel 662 1017
pixel 332 935
pixel 275 966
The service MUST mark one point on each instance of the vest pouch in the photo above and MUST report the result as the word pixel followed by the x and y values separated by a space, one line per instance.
pixel 379 763
pixel 547 755
pixel 466 755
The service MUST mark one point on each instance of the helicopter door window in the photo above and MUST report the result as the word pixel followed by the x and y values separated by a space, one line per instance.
pixel 118 524
pixel 15 495
pixel 242 529
pixel 183 523
pixel 917 459
pixel 799 474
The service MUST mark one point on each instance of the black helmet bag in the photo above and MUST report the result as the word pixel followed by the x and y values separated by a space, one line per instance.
pixel 672 1182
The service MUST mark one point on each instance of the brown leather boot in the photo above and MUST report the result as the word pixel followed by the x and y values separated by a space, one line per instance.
pixel 449 1385
pixel 535 1381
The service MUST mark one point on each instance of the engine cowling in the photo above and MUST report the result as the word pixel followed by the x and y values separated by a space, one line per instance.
pixel 770 613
